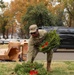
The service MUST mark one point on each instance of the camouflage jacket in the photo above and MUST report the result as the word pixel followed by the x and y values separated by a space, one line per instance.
pixel 37 40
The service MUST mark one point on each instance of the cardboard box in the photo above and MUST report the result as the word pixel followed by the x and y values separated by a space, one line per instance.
pixel 12 53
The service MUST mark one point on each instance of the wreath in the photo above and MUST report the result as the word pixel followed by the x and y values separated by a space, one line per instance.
pixel 51 40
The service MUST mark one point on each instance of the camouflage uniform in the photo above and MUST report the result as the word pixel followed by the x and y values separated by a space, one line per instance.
pixel 33 46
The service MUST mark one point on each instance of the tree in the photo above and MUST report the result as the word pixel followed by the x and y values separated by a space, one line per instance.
pixel 3 24
pixel 69 6
pixel 59 12
pixel 5 19
pixel 16 5
pixel 18 9
pixel 2 4
pixel 39 15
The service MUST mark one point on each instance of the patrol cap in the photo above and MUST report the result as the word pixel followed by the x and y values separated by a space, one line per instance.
pixel 33 28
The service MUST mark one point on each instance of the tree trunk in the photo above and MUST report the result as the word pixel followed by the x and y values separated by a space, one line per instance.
pixel 7 34
pixel 3 34
pixel 12 32
pixel 70 22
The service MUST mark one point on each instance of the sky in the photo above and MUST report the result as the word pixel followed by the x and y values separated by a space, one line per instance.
pixel 7 1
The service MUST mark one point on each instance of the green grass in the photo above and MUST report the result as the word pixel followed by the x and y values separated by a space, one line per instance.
pixel 58 68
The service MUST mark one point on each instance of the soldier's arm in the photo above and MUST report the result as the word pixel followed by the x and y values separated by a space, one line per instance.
pixel 30 45
pixel 44 32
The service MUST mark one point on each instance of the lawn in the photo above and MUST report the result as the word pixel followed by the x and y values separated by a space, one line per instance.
pixel 58 68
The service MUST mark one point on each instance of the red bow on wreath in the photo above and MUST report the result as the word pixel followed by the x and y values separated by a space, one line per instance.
pixel 45 44
pixel 33 72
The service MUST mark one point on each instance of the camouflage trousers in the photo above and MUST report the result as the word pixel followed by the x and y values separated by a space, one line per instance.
pixel 33 53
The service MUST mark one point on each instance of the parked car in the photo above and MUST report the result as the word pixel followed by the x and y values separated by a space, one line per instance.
pixel 6 41
pixel 66 36
pixel 2 41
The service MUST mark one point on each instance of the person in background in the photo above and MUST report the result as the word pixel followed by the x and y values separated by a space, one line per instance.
pixel 36 37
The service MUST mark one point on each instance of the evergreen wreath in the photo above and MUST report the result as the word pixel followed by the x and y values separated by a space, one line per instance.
pixel 52 40
pixel 30 69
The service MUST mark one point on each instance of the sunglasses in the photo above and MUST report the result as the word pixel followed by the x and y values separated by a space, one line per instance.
pixel 33 33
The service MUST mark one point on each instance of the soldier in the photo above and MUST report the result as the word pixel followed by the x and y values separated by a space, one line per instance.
pixel 37 35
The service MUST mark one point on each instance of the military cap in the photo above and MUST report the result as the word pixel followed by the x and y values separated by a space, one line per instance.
pixel 33 28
